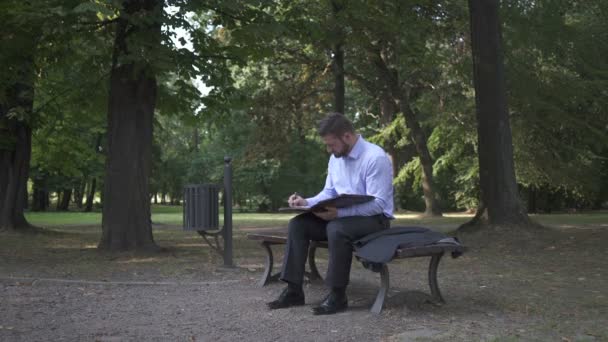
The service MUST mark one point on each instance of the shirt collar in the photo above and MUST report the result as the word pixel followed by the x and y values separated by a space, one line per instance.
pixel 356 151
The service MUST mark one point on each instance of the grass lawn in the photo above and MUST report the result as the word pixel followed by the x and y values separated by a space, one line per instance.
pixel 74 235
pixel 172 215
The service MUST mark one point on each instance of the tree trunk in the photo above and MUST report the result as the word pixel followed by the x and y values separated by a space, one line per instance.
pixel 339 90
pixel 426 161
pixel 66 196
pixel 338 59
pixel 400 99
pixel 126 211
pixel 481 217
pixel 496 171
pixel 196 137
pixel 388 111
pixel 58 203
pixel 26 198
pixel 16 148
pixel 39 194
pixel 532 199
pixel 14 169
pixel 79 194
pixel 91 196
pixel 93 184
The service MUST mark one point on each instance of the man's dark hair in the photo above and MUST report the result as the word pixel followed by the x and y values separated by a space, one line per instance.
pixel 336 124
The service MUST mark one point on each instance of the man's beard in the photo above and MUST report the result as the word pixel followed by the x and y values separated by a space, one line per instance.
pixel 345 150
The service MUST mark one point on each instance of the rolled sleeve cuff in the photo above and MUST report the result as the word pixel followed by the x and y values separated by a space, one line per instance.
pixel 312 201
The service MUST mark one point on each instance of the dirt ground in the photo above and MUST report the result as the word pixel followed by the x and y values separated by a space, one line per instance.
pixel 512 285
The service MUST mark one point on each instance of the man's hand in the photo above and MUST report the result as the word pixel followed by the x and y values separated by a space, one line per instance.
pixel 329 214
pixel 296 200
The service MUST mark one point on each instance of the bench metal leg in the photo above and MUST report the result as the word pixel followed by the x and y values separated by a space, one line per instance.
pixel 312 263
pixel 434 264
pixel 381 296
pixel 267 276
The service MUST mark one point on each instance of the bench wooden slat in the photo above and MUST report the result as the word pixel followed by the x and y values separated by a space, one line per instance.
pixel 278 238
pixel 274 237
pixel 428 250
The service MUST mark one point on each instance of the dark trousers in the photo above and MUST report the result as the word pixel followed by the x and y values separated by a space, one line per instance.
pixel 340 235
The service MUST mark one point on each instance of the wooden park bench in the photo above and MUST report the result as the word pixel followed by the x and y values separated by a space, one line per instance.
pixel 434 251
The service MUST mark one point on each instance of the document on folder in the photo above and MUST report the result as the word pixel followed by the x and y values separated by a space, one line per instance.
pixel 341 201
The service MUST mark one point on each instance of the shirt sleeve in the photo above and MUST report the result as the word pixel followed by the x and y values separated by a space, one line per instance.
pixel 328 191
pixel 378 183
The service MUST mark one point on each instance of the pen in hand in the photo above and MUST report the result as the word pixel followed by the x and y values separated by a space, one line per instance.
pixel 293 198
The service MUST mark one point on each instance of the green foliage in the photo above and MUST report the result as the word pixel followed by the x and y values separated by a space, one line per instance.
pixel 267 70
pixel 100 9
pixel 70 100
pixel 395 133
pixel 557 100
pixel 558 95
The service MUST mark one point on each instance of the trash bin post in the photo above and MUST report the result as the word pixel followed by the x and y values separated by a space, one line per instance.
pixel 228 212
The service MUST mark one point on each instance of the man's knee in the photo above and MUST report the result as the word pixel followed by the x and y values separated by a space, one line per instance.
pixel 336 230
pixel 297 228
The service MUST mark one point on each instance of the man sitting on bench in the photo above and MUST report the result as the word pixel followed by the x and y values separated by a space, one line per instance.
pixel 355 167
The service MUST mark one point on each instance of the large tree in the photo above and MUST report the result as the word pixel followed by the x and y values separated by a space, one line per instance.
pixel 149 64
pixel 19 35
pixel 126 212
pixel 499 197
pixel 15 147
pixel 392 59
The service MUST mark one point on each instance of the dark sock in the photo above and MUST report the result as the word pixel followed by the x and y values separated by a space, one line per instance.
pixel 293 287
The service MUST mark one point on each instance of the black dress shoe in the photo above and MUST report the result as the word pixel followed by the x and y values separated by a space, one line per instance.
pixel 287 298
pixel 332 304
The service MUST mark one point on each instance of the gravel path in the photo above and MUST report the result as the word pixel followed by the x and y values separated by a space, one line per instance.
pixel 232 309
pixel 506 288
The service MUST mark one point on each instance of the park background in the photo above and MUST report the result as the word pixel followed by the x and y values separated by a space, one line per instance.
pixel 108 108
